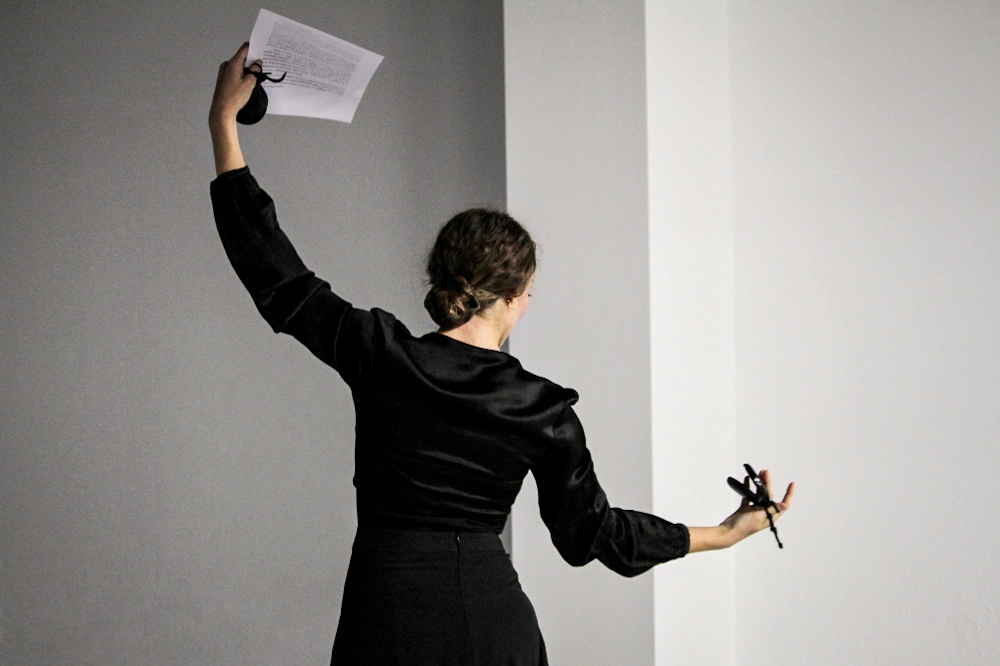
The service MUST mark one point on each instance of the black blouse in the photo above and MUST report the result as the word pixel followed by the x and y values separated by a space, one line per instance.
pixel 446 431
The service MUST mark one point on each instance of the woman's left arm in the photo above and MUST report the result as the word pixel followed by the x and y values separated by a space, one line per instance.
pixel 745 521
pixel 585 526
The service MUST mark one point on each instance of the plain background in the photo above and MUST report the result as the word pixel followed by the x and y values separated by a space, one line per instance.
pixel 866 219
pixel 175 479
pixel 824 291
pixel 576 145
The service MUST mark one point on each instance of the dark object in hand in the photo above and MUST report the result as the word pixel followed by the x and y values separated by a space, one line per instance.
pixel 256 106
pixel 758 496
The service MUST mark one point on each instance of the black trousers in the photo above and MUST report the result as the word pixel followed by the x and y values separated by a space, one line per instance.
pixel 441 598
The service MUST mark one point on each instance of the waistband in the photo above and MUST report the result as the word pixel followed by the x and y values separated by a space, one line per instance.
pixel 392 539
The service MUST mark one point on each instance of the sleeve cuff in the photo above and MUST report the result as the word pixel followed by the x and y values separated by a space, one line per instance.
pixel 234 173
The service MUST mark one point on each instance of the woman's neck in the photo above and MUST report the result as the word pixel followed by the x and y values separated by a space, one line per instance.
pixel 478 332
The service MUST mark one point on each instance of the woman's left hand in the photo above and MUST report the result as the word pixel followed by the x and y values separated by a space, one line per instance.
pixel 750 519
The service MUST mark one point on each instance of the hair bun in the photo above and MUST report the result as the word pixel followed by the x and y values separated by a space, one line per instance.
pixel 468 294
pixel 453 303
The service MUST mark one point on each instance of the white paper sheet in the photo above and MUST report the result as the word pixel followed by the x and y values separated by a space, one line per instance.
pixel 326 76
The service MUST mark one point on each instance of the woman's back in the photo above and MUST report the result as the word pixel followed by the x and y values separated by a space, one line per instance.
pixel 446 431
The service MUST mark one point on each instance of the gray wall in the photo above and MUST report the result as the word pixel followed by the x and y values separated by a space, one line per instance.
pixel 576 144
pixel 175 479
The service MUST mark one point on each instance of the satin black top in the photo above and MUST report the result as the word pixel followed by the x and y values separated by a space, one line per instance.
pixel 446 431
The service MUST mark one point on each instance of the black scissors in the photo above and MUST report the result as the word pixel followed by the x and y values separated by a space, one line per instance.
pixel 758 497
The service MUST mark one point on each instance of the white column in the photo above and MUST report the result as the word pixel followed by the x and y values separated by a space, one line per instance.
pixel 691 317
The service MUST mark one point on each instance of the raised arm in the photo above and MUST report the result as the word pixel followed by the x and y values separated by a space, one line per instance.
pixel 288 295
pixel 232 91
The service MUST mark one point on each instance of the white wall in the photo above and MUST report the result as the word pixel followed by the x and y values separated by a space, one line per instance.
pixel 691 311
pixel 577 179
pixel 866 161
pixel 824 290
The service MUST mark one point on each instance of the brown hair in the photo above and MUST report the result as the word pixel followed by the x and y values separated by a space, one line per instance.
pixel 480 256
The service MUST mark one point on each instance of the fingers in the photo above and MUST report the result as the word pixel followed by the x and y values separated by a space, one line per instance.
pixel 765 476
pixel 241 54
pixel 782 506
pixel 236 64
pixel 788 495
pixel 247 82
pixel 232 87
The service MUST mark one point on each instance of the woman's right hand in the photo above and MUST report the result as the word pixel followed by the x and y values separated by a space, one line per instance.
pixel 232 89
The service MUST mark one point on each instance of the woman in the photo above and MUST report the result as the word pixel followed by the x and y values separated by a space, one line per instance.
pixel 448 426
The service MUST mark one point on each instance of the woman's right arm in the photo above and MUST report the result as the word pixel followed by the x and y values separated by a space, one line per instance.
pixel 288 295
pixel 232 91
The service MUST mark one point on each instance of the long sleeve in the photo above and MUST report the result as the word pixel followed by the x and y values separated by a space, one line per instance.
pixel 582 523
pixel 288 295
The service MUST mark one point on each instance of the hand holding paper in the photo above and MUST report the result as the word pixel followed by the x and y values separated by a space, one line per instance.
pixel 326 76
pixel 232 88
